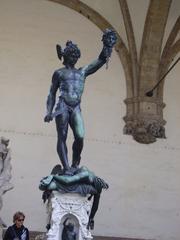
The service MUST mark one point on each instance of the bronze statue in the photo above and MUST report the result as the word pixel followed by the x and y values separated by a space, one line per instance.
pixel 83 182
pixel 68 232
pixel 70 82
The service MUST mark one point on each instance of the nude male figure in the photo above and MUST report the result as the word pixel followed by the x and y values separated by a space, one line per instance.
pixel 70 81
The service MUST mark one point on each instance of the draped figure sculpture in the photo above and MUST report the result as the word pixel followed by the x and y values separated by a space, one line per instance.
pixel 5 171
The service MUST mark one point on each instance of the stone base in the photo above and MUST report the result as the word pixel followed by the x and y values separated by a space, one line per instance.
pixel 69 206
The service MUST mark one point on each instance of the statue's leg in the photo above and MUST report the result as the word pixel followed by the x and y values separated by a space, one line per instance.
pixel 62 130
pixel 93 211
pixel 77 125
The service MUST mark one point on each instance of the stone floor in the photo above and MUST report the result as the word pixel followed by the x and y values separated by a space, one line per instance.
pixel 34 234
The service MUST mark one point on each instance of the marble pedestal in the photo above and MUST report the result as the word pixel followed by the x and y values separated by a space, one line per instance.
pixel 72 206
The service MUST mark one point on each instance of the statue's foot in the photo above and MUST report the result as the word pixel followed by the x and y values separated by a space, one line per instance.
pixel 90 224
pixel 74 169
pixel 68 172
pixel 46 194
pixel 71 171
pixel 57 170
pixel 48 226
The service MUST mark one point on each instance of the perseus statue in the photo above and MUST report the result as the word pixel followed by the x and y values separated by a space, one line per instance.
pixel 70 82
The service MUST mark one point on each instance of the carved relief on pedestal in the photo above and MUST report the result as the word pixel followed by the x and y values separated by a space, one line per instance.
pixel 68 206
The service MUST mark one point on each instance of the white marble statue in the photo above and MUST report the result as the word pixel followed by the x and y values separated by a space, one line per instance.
pixel 5 173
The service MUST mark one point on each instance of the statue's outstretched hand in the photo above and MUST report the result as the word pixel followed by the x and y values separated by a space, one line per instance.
pixel 107 51
pixel 109 38
pixel 48 118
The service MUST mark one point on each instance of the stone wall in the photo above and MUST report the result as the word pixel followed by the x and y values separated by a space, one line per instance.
pixel 143 198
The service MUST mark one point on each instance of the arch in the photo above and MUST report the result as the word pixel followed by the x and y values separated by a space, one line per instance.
pixel 73 219
pixel 102 23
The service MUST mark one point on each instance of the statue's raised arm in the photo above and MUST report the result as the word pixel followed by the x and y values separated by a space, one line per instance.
pixel 109 39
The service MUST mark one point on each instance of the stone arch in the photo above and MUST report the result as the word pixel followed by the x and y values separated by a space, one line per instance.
pixel 102 23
